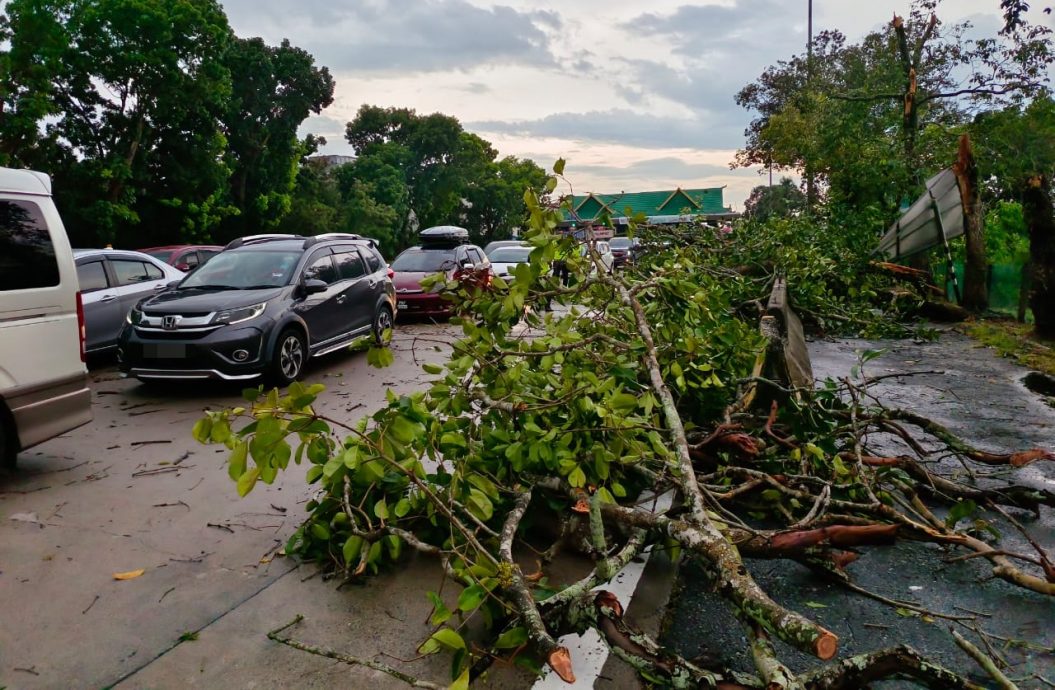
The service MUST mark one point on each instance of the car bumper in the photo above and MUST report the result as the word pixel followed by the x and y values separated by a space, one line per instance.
pixel 422 304
pixel 227 354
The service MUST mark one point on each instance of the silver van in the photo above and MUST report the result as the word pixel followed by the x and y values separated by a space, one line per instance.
pixel 43 379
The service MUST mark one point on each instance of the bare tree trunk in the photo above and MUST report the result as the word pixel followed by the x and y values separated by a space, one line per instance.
pixel 975 287
pixel 1037 209
pixel 1023 291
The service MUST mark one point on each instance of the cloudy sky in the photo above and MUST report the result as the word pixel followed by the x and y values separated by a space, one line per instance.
pixel 636 95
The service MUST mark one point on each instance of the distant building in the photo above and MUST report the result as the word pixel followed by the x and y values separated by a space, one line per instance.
pixel 665 207
pixel 330 160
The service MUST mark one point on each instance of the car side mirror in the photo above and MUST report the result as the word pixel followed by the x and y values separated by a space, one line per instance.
pixel 314 286
pixel 171 284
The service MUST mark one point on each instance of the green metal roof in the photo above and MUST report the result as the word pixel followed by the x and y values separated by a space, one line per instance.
pixel 667 202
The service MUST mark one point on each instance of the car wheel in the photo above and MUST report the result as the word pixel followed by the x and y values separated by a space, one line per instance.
pixel 383 322
pixel 287 362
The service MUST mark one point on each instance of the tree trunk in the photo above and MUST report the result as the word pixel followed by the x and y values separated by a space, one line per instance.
pixel 1023 291
pixel 1037 210
pixel 975 285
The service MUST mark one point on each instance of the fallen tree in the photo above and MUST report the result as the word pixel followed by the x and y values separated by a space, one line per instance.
pixel 650 381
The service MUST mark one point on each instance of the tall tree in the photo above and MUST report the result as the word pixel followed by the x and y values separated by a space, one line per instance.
pixel 273 90
pixel 780 200
pixel 135 89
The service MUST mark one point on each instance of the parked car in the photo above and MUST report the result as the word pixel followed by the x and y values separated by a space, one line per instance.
pixel 498 244
pixel 112 281
pixel 185 257
pixel 504 260
pixel 43 380
pixel 262 307
pixel 604 252
pixel 624 250
pixel 444 249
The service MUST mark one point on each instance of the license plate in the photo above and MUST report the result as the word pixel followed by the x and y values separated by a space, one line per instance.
pixel 165 351
pixel 401 305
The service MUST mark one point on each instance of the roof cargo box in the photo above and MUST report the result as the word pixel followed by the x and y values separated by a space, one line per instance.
pixel 444 235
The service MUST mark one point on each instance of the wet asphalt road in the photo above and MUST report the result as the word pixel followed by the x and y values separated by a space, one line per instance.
pixel 133 490
pixel 980 397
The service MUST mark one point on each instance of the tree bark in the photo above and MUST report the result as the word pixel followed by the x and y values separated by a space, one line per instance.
pixel 1037 210
pixel 975 285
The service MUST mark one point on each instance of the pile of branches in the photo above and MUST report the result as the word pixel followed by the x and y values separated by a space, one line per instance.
pixel 635 385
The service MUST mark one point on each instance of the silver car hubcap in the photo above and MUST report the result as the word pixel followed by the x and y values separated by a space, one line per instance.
pixel 291 357
pixel 384 322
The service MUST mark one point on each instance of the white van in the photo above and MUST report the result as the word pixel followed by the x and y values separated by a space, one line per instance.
pixel 43 379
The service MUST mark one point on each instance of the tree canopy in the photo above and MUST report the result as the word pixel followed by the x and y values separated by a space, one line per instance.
pixel 157 123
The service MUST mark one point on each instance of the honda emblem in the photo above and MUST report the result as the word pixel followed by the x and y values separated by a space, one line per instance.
pixel 170 322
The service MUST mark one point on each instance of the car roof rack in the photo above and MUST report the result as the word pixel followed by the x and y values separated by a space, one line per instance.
pixel 315 239
pixel 259 239
pixel 444 236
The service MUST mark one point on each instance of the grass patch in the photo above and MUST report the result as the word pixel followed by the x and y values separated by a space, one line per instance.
pixel 1015 341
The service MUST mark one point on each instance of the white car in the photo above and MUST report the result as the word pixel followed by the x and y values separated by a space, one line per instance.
pixel 504 260
pixel 43 381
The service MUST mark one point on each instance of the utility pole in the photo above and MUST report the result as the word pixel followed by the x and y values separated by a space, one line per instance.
pixel 811 190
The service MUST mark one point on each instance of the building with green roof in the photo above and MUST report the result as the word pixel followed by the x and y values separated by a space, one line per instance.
pixel 663 207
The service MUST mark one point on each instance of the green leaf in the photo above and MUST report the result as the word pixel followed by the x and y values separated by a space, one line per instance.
pixel 405 430
pixel 380 357
pixel 484 484
pixel 351 550
pixel 440 612
pixel 512 638
pixel 816 605
pixel 236 463
pixel 432 368
pixel 449 638
pixel 962 509
pixel 247 481
pixel 402 507
pixel 558 167
pixel 577 478
pixel 314 472
pixel 623 402
pixel 251 394
pixel 480 505
pixel 381 509
pixel 471 597
pixel 462 683
pixel 202 430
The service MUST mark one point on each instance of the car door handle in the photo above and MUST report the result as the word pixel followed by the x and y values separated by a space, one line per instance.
pixel 342 299
pixel 107 298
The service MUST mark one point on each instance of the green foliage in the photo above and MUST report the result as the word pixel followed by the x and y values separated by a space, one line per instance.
pixel 155 121
pixel 782 199
pixel 529 395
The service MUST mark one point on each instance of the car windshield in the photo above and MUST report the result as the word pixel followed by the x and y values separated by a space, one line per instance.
pixel 245 270
pixel 510 255
pixel 619 242
pixel 424 260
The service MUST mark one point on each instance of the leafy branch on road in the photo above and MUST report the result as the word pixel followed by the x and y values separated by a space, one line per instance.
pixel 551 430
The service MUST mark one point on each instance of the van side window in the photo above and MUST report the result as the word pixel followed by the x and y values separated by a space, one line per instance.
pixel 27 257
pixel 92 276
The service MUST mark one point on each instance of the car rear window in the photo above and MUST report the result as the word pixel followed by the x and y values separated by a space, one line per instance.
pixel 511 255
pixel 424 260
pixel 27 256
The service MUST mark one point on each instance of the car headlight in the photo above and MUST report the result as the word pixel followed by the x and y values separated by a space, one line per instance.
pixel 239 315
pixel 134 316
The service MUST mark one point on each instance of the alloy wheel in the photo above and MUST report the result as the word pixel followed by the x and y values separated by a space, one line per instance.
pixel 291 357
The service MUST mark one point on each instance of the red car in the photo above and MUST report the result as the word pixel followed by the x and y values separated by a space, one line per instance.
pixel 443 249
pixel 185 257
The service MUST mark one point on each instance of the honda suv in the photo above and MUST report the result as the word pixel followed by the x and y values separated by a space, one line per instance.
pixel 262 307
